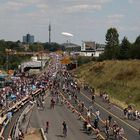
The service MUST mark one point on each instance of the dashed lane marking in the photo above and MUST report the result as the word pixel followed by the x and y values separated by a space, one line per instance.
pixel 112 114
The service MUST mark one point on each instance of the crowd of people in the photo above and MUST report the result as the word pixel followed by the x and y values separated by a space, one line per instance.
pixel 131 114
pixel 64 82
pixel 61 81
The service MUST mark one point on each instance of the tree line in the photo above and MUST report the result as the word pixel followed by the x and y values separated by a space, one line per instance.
pixel 11 61
pixel 113 49
pixel 120 51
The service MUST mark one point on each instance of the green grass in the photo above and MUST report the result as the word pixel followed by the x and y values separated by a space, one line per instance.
pixel 120 79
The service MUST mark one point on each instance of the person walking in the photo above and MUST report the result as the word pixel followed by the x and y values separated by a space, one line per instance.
pixel 109 119
pixel 88 116
pixel 47 126
pixel 52 103
pixel 93 98
pixel 64 128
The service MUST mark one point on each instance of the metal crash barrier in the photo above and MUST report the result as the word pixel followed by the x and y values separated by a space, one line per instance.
pixel 4 118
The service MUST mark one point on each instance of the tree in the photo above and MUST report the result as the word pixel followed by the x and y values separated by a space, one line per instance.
pixel 36 47
pixel 135 49
pixel 124 47
pixel 53 46
pixel 112 43
pixel 137 42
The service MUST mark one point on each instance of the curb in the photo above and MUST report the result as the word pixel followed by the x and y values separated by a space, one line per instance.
pixel 43 134
pixel 19 121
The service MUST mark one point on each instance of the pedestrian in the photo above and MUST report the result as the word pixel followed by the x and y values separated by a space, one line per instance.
pixel 47 126
pixel 64 128
pixel 125 111
pixel 79 116
pixel 89 129
pixel 96 123
pixel 97 113
pixel 107 132
pixel 93 98
pixel 97 132
pixel 52 103
pixel 69 96
pixel 109 119
pixel 88 116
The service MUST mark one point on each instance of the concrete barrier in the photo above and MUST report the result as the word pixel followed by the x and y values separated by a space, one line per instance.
pixel 43 135
pixel 20 119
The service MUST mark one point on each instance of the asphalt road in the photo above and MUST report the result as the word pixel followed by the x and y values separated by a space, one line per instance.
pixel 61 113
pixel 55 118
pixel 130 127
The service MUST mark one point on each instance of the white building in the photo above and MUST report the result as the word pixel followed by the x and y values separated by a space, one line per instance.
pixel 90 48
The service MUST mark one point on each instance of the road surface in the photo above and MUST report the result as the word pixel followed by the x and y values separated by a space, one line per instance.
pixel 55 118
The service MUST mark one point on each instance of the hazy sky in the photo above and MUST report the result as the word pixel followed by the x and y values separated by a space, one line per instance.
pixel 86 19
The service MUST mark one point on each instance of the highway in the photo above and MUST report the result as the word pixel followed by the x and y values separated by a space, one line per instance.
pixel 63 113
pixel 130 127
pixel 55 118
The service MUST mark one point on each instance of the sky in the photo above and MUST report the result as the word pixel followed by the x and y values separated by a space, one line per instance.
pixel 87 20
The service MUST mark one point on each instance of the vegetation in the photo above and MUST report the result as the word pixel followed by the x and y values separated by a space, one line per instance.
pixel 117 71
pixel 120 79
pixel 53 47
pixel 124 50
pixel 82 59
pixel 11 60
pixel 112 43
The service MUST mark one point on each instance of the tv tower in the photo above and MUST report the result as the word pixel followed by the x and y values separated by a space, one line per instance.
pixel 49 33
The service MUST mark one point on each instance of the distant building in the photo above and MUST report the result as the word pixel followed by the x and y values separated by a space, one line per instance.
pixel 90 48
pixel 70 47
pixel 29 39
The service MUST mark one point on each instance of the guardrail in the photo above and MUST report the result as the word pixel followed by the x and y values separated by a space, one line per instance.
pixel 15 107
pixel 82 117
pixel 16 129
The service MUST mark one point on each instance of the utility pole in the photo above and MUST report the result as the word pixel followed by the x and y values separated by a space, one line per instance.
pixel 49 33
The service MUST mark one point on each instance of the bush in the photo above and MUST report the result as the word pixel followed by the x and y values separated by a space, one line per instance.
pixel 83 60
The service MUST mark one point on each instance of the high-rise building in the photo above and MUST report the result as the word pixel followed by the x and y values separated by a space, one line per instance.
pixel 28 39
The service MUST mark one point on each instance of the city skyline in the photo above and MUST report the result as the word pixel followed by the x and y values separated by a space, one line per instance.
pixel 85 19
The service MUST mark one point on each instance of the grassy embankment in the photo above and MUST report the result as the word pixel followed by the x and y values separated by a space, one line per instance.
pixel 120 79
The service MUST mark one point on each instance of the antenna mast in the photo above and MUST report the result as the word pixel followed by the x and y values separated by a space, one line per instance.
pixel 49 33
